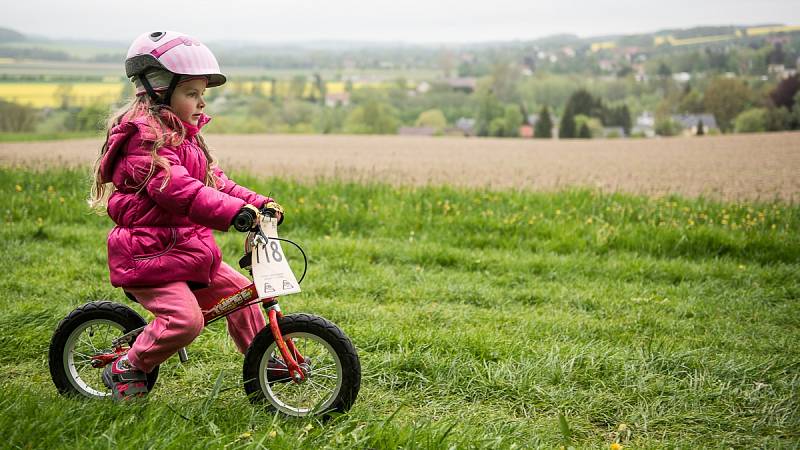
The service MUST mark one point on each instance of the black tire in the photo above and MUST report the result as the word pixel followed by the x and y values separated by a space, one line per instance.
pixel 76 377
pixel 334 361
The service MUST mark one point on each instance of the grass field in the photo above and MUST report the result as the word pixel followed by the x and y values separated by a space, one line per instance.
pixel 493 319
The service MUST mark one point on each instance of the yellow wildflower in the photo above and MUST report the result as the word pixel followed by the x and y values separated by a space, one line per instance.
pixel 272 434
pixel 18 188
pixel 616 446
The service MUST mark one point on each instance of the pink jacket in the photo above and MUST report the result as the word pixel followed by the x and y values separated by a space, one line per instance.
pixel 165 235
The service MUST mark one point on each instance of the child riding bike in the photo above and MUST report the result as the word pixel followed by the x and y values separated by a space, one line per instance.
pixel 165 193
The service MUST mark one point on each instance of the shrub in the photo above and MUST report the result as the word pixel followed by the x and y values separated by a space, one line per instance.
pixel 753 120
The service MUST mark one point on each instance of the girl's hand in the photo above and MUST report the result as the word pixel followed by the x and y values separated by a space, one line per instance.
pixel 273 209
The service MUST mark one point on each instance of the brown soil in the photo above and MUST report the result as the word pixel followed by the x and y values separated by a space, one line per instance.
pixel 758 166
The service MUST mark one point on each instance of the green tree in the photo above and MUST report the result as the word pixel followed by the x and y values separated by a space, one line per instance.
pixel 667 127
pixel 433 118
pixel 663 70
pixel 489 108
pixel 544 126
pixel 691 103
pixel 497 127
pixel 700 128
pixel 779 119
pixel 593 126
pixel 619 116
pixel 372 117
pixel 566 128
pixel 513 120
pixel 17 118
pixel 504 81
pixel 753 120
pixel 584 132
pixel 89 118
pixel 582 102
pixel 726 98
pixel 297 87
pixel 796 109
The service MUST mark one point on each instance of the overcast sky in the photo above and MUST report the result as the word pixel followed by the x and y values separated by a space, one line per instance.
pixel 413 21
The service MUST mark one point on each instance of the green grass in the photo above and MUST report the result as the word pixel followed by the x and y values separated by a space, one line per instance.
pixel 47 136
pixel 483 319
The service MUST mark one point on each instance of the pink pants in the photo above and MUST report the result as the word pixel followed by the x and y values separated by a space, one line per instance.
pixel 179 319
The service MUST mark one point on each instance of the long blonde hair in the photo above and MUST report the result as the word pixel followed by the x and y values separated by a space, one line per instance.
pixel 165 128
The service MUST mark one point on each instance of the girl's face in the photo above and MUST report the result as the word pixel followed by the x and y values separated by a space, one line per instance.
pixel 187 100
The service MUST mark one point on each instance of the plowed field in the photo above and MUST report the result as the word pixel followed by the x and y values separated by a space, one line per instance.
pixel 742 167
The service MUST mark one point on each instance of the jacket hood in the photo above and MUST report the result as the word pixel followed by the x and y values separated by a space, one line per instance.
pixel 119 136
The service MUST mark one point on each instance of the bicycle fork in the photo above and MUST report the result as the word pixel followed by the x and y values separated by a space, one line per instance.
pixel 291 356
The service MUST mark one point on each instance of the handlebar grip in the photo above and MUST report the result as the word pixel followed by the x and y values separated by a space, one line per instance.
pixel 244 220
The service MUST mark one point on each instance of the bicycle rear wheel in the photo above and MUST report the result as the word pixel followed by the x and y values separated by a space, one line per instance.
pixel 87 331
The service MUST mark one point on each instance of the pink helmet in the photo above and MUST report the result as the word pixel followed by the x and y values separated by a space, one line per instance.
pixel 175 52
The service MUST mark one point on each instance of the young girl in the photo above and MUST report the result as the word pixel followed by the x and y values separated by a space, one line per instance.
pixel 165 194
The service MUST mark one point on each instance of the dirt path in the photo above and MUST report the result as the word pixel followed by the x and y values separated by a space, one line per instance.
pixel 759 166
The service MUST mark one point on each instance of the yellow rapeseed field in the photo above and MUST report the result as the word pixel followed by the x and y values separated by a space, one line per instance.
pixel 50 95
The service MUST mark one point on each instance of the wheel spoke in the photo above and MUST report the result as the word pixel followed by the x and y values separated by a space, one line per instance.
pixel 323 369
pixel 324 375
pixel 82 354
pixel 329 366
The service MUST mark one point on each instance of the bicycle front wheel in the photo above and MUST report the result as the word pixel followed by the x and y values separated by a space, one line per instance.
pixel 332 368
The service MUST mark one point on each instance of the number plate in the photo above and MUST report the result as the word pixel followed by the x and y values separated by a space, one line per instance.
pixel 271 272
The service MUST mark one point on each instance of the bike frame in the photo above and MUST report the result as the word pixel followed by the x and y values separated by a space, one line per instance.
pixel 245 297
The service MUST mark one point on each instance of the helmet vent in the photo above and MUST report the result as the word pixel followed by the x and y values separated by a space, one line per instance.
pixel 155 36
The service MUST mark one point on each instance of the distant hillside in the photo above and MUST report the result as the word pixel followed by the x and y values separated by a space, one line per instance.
pixel 9 35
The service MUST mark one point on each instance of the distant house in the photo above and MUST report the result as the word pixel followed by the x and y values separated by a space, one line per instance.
pixel 607 65
pixel 423 87
pixel 682 77
pixel 416 131
pixel 645 125
pixel 464 84
pixel 337 99
pixel 689 122
pixel 466 125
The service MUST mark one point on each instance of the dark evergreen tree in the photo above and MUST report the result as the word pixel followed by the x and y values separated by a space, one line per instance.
pixel 582 102
pixel 544 126
pixel 585 133
pixel 700 128
pixel 664 71
pixel 566 128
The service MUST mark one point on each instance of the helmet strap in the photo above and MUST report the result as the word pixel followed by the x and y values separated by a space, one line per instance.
pixel 172 85
pixel 152 93
pixel 159 100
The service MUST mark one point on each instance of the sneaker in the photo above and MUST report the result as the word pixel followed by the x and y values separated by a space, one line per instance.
pixel 277 371
pixel 124 380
